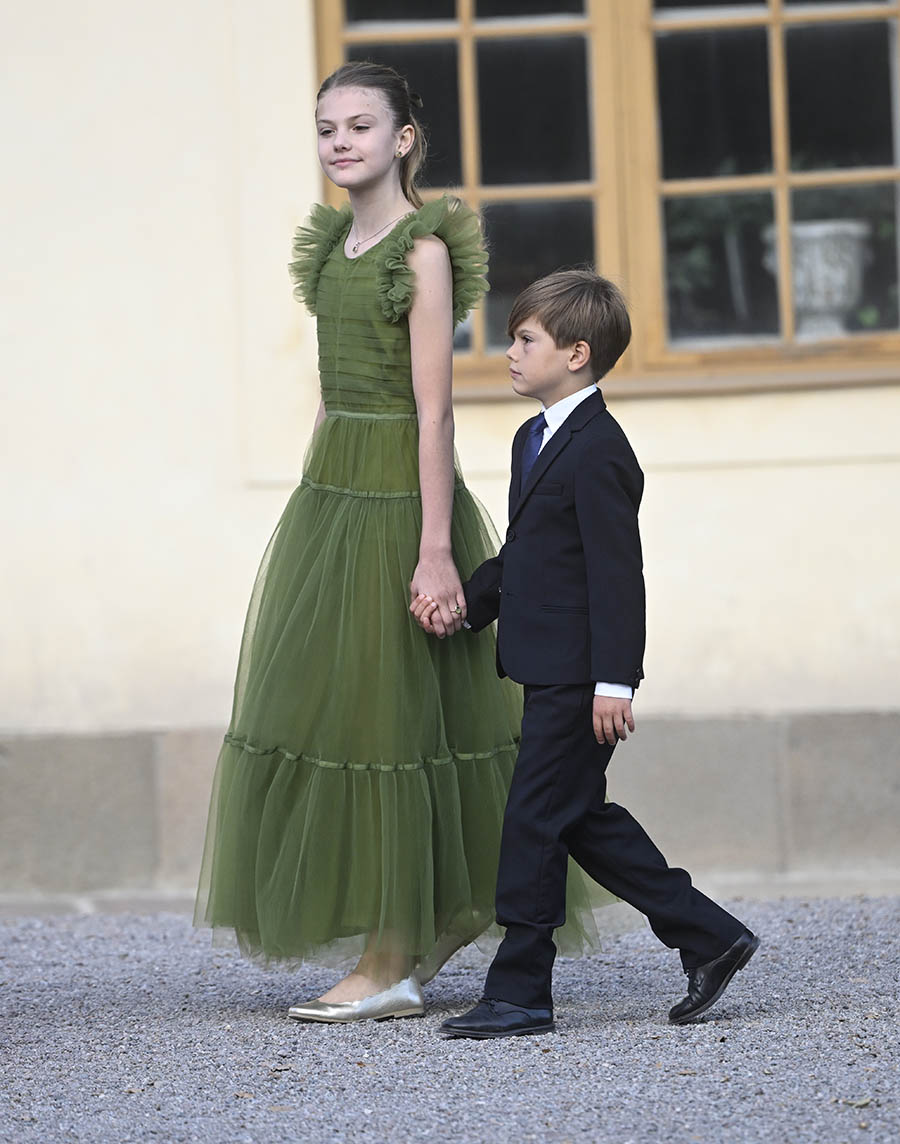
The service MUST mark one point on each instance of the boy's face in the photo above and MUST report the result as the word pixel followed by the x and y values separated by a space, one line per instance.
pixel 541 369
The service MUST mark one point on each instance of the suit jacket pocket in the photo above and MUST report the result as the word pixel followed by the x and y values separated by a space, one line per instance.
pixel 547 489
pixel 565 609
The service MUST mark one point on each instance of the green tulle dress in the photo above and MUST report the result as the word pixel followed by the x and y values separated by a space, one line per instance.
pixel 360 790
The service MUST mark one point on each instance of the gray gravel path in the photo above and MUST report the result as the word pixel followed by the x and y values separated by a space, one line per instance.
pixel 124 1028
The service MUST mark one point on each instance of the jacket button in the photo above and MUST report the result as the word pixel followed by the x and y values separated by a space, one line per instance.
pixel 510 534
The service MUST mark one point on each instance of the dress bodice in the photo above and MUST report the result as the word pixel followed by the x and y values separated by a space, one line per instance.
pixel 362 304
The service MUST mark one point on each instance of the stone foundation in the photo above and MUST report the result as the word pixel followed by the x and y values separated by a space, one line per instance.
pixel 805 803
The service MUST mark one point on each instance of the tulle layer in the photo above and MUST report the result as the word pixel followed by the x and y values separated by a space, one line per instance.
pixel 360 791
pixel 449 218
pixel 322 859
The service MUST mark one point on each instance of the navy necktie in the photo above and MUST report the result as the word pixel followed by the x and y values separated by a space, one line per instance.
pixel 532 447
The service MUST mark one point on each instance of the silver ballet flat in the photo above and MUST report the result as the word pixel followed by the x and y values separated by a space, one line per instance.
pixel 402 1000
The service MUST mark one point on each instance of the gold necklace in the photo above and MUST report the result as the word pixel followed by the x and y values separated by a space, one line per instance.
pixel 356 245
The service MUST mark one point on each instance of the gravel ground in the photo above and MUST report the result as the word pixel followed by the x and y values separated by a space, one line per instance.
pixel 125 1028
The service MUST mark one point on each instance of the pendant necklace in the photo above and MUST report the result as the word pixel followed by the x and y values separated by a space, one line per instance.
pixel 356 245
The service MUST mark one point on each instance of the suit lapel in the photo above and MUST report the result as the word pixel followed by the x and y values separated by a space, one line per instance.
pixel 515 477
pixel 577 419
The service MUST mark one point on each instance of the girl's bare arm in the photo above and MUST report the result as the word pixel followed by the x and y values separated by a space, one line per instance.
pixel 431 348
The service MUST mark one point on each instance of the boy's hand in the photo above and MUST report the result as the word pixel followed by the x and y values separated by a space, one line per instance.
pixel 611 717
pixel 428 616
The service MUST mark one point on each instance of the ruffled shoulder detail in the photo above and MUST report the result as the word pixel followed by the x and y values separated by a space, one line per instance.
pixel 459 228
pixel 313 242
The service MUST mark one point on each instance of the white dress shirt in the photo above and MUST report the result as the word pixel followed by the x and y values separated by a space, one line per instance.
pixel 555 416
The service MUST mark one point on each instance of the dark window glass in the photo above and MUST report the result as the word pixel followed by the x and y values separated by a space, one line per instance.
pixel 714 103
pixel 526 241
pixel 430 69
pixel 844 242
pixel 362 10
pixel 462 336
pixel 839 95
pixel 533 108
pixel 718 279
pixel 667 5
pixel 487 8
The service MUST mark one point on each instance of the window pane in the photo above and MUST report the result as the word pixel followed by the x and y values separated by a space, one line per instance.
pixel 400 10
pixel 742 5
pixel 430 69
pixel 528 240
pixel 844 242
pixel 839 92
pixel 462 335
pixel 487 8
pixel 716 283
pixel 533 110
pixel 714 103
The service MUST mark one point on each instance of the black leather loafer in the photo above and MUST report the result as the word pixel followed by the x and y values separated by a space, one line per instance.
pixel 492 1018
pixel 707 983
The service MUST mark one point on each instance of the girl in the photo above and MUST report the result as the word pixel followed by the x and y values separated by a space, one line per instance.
pixel 358 800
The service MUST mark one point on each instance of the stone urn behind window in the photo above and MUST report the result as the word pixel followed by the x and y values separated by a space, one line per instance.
pixel 829 257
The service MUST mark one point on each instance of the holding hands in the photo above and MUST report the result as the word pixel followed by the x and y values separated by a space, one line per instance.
pixel 436 597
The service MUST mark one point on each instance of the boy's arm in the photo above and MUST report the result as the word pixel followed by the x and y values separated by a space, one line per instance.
pixel 607 495
pixel 482 591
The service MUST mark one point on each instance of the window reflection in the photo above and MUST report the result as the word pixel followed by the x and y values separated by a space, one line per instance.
pixel 839 95
pixel 526 241
pixel 359 10
pixel 842 3
pixel 462 335
pixel 485 9
pixel 668 5
pixel 844 242
pixel 533 108
pixel 714 102
pixel 716 284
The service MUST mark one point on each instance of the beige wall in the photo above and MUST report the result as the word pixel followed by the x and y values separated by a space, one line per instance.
pixel 157 158
pixel 770 545
pixel 159 385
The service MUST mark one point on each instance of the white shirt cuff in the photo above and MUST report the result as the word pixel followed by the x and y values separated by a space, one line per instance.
pixel 614 690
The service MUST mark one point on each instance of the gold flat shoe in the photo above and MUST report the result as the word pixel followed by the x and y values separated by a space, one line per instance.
pixel 402 1000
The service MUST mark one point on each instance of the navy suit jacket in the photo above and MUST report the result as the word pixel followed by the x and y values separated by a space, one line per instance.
pixel 568 586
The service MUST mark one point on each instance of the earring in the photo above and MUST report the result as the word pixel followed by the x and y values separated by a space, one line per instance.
pixel 399 154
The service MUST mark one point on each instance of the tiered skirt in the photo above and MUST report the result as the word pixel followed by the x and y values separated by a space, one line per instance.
pixel 359 794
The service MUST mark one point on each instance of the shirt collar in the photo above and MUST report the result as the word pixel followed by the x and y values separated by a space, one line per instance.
pixel 558 412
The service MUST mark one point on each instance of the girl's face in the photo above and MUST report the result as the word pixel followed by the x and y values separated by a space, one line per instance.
pixel 358 142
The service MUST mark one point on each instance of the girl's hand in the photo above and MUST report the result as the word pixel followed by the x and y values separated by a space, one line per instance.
pixel 437 578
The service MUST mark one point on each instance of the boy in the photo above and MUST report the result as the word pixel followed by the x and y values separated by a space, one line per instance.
pixel 567 588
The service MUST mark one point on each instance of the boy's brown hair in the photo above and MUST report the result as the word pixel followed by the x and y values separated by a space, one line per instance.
pixel 577 306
